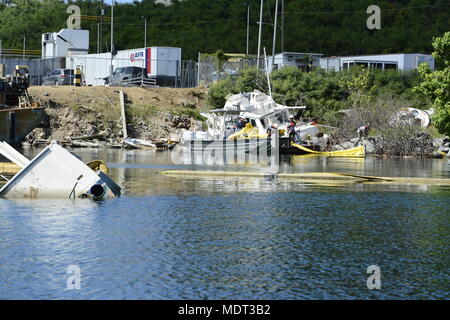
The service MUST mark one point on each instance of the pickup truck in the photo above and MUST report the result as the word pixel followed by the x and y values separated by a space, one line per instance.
pixel 126 76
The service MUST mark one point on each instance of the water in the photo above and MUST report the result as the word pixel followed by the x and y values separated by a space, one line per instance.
pixel 229 238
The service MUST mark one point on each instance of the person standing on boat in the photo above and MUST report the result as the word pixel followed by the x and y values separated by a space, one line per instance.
pixel 291 128
pixel 271 130
pixel 241 123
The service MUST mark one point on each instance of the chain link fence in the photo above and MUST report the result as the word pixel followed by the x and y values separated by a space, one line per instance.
pixel 39 68
pixel 210 69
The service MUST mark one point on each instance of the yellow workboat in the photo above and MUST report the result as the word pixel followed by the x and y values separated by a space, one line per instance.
pixel 353 152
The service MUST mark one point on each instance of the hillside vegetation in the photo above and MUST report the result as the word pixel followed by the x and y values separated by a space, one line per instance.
pixel 331 27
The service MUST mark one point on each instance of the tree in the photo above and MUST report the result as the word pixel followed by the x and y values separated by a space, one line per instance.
pixel 436 84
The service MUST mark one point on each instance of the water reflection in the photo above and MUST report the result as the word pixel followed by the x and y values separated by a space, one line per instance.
pixel 237 238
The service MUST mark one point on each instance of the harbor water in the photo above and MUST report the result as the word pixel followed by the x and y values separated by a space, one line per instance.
pixel 172 237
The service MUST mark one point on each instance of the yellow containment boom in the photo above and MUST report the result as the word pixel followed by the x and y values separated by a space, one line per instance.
pixel 353 152
pixel 249 132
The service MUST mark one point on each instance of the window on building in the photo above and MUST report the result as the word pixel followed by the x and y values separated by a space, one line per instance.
pixel 376 65
pixel 345 66
pixel 391 66
pixel 362 64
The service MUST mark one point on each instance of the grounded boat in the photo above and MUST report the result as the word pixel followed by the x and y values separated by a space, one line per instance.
pixel 261 113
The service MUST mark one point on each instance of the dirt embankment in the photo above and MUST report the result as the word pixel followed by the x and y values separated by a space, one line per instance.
pixel 152 114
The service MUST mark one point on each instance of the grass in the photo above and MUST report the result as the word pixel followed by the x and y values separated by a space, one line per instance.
pixel 193 113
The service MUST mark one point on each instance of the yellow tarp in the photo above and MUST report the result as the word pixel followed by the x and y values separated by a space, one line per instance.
pixel 353 152
pixel 249 132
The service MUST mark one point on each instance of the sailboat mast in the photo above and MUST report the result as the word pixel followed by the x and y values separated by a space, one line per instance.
pixel 259 34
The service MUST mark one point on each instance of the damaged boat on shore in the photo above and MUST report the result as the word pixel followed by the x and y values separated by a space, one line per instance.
pixel 260 111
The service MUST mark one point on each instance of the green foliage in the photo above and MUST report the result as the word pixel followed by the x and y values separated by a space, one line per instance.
pixel 218 92
pixel 324 93
pixel 192 113
pixel 250 79
pixel 436 84
pixel 356 83
pixel 331 27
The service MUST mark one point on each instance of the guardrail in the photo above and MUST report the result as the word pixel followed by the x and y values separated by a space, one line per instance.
pixel 143 82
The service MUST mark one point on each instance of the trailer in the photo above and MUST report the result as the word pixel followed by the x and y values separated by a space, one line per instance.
pixel 161 63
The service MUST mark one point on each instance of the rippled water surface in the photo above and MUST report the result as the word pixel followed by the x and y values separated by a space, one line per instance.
pixel 233 238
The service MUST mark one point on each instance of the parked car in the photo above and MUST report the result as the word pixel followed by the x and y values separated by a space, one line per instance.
pixel 58 77
pixel 125 75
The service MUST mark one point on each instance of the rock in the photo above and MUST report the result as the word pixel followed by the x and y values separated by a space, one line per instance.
pixel 370 147
pixel 90 130
pixel 354 140
pixel 347 145
pixel 186 103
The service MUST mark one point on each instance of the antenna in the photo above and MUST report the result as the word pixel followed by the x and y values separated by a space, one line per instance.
pixel 267 72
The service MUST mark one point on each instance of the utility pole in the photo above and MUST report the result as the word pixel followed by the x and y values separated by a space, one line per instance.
pixel 145 32
pixel 112 38
pixel 101 28
pixel 282 25
pixel 98 37
pixel 248 26
pixel 274 42
pixel 259 34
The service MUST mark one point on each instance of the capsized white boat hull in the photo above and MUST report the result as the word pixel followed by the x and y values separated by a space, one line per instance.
pixel 57 173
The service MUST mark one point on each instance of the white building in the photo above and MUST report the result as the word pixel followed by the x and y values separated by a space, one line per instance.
pixel 302 60
pixel 66 42
pixel 395 61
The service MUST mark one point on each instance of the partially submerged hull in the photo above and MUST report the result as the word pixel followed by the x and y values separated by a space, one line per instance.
pixel 55 173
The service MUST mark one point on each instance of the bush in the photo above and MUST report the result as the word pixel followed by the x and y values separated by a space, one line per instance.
pixel 218 92
pixel 324 93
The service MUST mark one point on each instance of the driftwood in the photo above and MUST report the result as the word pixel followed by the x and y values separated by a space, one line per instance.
pixel 84 144
pixel 89 137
